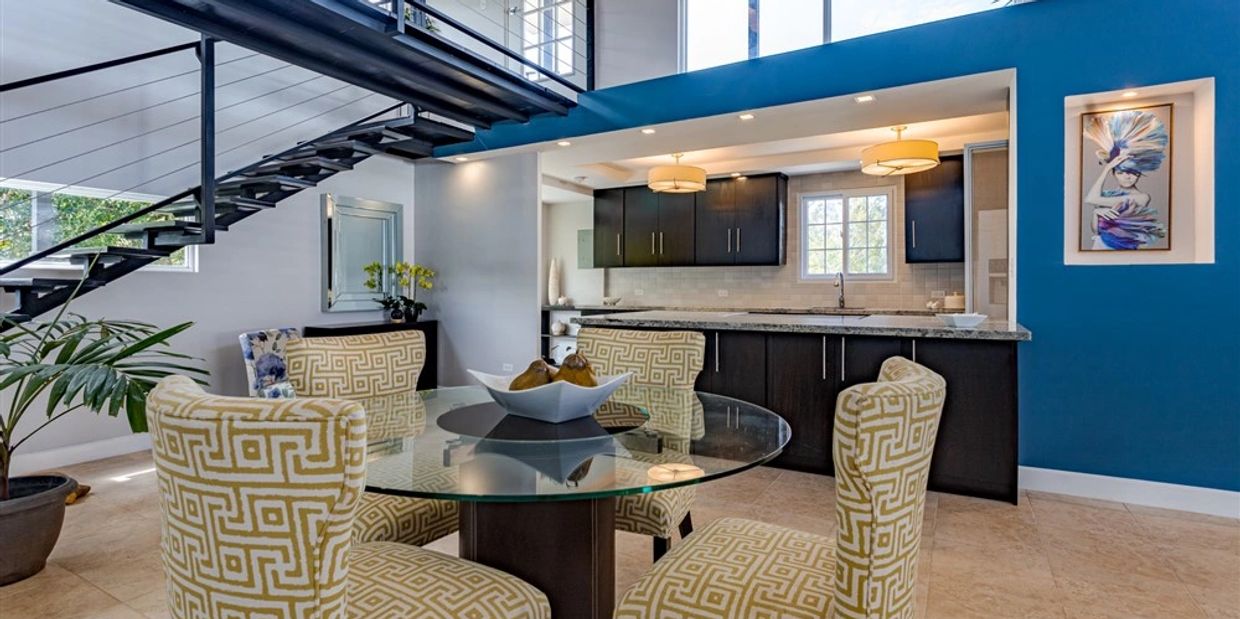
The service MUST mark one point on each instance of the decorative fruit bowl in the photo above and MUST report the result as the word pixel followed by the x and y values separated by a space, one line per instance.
pixel 554 402
pixel 962 321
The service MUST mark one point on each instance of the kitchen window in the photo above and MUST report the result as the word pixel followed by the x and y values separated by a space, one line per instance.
pixel 847 232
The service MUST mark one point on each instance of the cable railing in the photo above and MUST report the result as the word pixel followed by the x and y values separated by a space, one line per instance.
pixel 545 41
pixel 284 108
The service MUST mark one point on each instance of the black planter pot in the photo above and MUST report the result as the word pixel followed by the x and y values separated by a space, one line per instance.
pixel 30 524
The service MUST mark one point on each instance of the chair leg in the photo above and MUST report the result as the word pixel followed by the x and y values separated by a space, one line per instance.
pixel 686 525
pixel 661 545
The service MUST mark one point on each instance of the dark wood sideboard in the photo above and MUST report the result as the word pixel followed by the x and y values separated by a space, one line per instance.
pixel 429 378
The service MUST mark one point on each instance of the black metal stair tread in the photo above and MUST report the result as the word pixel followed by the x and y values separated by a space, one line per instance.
pixel 84 254
pixel 15 317
pixel 335 145
pixel 171 225
pixel 281 180
pixel 411 146
pixel 223 204
pixel 44 283
pixel 309 161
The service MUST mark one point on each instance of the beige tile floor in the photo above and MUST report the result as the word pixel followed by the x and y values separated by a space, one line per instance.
pixel 1051 556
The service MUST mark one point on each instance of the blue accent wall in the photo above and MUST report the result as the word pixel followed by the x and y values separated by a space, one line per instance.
pixel 1133 371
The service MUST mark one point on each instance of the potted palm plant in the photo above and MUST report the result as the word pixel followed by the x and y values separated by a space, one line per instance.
pixel 54 368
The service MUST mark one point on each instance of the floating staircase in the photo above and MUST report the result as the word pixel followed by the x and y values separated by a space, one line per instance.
pixel 238 196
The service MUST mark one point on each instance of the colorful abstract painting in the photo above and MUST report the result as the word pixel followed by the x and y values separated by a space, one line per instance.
pixel 1126 179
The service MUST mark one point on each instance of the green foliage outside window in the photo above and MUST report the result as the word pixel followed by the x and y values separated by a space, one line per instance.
pixel 14 223
pixel 69 216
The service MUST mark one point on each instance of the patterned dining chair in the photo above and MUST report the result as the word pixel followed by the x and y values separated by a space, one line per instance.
pixel 257 499
pixel 373 366
pixel 670 359
pixel 732 568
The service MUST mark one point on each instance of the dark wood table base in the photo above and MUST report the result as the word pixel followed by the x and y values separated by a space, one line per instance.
pixel 565 548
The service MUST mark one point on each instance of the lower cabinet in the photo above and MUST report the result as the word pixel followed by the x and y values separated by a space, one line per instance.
pixel 802 380
pixel 799 377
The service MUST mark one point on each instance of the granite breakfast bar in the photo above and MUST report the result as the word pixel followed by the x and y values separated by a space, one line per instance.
pixel 797 364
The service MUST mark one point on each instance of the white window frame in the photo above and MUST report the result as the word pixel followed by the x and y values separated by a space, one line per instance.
pixel 191 251
pixel 546 42
pixel 844 194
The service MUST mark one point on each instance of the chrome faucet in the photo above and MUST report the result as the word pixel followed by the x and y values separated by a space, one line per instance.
pixel 839 283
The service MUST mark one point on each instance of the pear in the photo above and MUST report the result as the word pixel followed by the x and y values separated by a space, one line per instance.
pixel 576 369
pixel 537 375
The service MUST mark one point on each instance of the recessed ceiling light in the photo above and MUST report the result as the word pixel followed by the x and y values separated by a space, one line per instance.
pixel 864 98
pixel 1130 94
pixel 735 174
pixel 563 143
pixel 746 116
pixel 462 159
pixel 648 131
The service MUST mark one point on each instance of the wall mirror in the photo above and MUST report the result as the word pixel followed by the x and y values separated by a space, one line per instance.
pixel 356 232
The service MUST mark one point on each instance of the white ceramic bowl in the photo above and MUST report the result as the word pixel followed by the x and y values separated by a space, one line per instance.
pixel 962 321
pixel 611 300
pixel 554 402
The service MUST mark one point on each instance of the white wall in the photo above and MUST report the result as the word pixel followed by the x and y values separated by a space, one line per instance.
pixel 635 40
pixel 560 225
pixel 265 272
pixel 477 224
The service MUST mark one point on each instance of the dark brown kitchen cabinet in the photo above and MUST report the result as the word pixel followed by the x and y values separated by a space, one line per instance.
pixel 862 356
pixel 802 381
pixel 934 213
pixel 742 221
pixel 608 228
pixel 976 450
pixel 759 219
pixel 676 228
pixel 735 365
pixel 641 227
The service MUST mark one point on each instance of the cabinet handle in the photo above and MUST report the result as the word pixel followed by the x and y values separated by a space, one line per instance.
pixel 729 240
pixel 617 243
pixel 914 351
pixel 843 344
pixel 824 357
pixel 716 352
pixel 651 243
pixel 660 243
pixel 914 234
pixel 738 240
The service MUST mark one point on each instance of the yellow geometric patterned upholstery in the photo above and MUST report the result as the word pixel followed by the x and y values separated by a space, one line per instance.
pixel 355 366
pixel 664 358
pixel 395 580
pixel 661 358
pixel 375 368
pixel 884 438
pixel 257 498
pixel 737 568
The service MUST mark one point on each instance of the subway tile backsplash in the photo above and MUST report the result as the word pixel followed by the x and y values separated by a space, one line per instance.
pixel 782 286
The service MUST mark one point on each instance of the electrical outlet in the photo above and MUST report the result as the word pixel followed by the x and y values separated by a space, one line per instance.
pixel 507 367
pixel 938 293
pixel 638 292
pixel 723 292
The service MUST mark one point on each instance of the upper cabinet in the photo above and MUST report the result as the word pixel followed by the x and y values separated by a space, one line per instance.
pixel 934 213
pixel 735 221
pixel 609 228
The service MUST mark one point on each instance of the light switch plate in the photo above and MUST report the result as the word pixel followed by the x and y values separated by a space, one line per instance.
pixel 938 293
pixel 507 367
pixel 638 292
pixel 723 292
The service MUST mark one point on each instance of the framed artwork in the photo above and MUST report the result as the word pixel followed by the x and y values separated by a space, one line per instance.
pixel 1125 176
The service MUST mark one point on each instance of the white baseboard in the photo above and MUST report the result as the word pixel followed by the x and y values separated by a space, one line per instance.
pixel 24 463
pixel 1135 491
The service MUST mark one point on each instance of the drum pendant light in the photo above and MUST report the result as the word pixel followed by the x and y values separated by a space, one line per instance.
pixel 900 157
pixel 676 178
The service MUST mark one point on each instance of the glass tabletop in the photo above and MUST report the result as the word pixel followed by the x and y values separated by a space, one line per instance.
pixel 457 443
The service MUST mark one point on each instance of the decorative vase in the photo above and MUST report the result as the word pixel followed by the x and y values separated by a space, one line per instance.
pixel 30 524
pixel 396 315
pixel 553 282
pixel 558 328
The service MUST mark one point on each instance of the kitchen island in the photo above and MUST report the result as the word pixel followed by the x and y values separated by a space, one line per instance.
pixel 796 365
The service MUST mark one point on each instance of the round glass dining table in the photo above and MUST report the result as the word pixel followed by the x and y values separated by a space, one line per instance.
pixel 538 500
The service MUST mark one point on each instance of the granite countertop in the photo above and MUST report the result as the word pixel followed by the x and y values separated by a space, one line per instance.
pixel 796 311
pixel 874 324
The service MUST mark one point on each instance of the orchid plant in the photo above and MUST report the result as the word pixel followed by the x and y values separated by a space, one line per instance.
pixel 399 283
